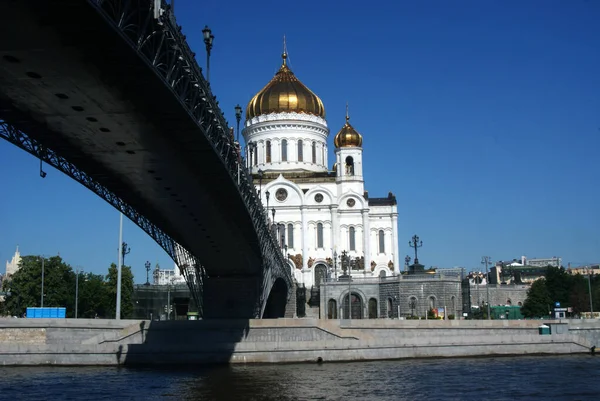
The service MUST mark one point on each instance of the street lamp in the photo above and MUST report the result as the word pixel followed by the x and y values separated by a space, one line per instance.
pixel 238 117
pixel 260 176
pixel 147 264
pixel 485 261
pixel 125 249
pixel 335 256
pixel 76 291
pixel 208 41
pixel 267 196
pixel 590 290
pixel 406 262
pixel 252 149
pixel 42 296
pixel 415 243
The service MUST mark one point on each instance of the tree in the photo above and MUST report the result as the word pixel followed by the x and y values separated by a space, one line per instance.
pixel 538 302
pixel 93 296
pixel 558 283
pixel 24 288
pixel 126 291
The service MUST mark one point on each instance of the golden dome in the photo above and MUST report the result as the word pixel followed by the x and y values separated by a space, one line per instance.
pixel 285 93
pixel 348 136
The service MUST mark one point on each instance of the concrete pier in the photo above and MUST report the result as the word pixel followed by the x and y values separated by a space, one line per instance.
pixel 135 342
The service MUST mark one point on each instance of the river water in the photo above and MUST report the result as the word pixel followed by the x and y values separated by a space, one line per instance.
pixel 573 377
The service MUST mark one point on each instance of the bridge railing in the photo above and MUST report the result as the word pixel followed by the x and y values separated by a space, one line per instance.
pixel 155 35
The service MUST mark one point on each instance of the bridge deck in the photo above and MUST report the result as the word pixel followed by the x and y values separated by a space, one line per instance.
pixel 70 81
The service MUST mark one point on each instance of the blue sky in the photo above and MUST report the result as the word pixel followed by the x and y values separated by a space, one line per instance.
pixel 483 117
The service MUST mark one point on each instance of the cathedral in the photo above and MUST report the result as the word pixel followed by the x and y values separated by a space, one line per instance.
pixel 323 217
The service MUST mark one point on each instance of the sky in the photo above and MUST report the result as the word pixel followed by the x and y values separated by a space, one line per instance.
pixel 482 117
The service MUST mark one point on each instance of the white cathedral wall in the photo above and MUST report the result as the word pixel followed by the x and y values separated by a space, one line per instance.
pixel 292 127
pixel 289 211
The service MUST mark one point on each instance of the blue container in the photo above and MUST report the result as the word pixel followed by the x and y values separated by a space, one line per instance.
pixel 46 313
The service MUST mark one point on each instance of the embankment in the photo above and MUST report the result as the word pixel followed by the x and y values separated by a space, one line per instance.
pixel 131 342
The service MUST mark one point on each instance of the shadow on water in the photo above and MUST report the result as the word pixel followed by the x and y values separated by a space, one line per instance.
pixel 210 341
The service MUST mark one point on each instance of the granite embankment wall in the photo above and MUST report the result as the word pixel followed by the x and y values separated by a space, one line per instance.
pixel 130 342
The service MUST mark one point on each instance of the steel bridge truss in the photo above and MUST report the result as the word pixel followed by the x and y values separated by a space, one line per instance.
pixel 149 27
pixel 189 265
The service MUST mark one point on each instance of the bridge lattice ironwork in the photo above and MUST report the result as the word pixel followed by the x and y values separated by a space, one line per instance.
pixel 149 27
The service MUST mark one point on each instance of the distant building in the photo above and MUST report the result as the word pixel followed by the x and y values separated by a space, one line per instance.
pixel 13 265
pixel 544 262
pixel 585 270
pixel 167 276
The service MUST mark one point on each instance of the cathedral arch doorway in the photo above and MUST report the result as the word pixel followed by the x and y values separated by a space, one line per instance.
pixel 372 308
pixel 320 274
pixel 356 307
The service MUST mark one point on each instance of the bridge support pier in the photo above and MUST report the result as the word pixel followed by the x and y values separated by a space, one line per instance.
pixel 230 297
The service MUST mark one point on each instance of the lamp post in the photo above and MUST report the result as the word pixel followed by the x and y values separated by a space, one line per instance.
pixel 252 149
pixel 285 248
pixel 260 176
pixel 274 226
pixel 335 256
pixel 238 117
pixel 415 243
pixel 485 260
pixel 406 262
pixel 590 290
pixel 208 41
pixel 267 196
pixel 125 251
pixel 147 265
pixel 42 295
pixel 76 291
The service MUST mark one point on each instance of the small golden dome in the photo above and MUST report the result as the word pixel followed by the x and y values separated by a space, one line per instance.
pixel 285 93
pixel 348 136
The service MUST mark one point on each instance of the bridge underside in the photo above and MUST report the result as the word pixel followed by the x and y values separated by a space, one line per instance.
pixel 69 80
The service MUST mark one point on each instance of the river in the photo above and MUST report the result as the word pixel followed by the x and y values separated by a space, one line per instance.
pixel 573 377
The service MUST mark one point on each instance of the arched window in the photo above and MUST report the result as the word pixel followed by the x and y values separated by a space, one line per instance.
pixel 332 309
pixel 372 308
pixel 381 241
pixel 412 304
pixel 268 152
pixel 352 239
pixel 290 236
pixel 349 165
pixel 284 150
pixel 432 302
pixel 319 235
pixel 314 152
pixel 300 152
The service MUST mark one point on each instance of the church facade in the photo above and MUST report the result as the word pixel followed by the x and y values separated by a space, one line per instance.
pixel 320 211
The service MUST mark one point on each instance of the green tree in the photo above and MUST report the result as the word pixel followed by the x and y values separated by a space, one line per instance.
pixel 126 292
pixel 24 288
pixel 93 296
pixel 538 300
pixel 559 284
pixel 579 298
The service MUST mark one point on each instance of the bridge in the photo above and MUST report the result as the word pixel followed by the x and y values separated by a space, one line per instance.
pixel 109 93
